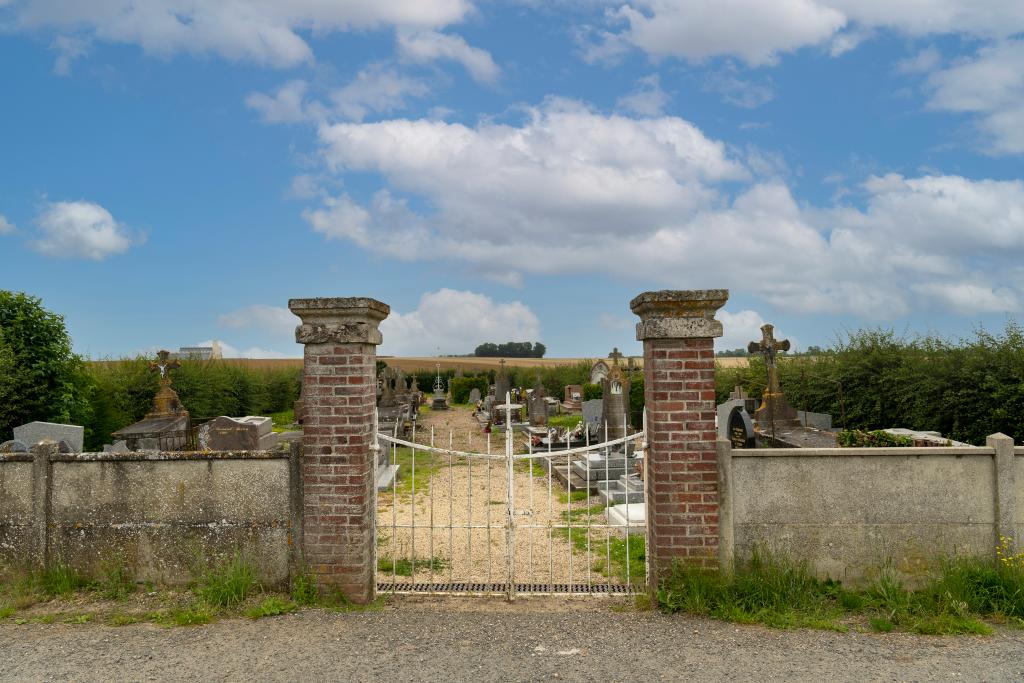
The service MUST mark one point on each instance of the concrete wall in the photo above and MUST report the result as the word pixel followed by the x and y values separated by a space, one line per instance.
pixel 163 514
pixel 851 511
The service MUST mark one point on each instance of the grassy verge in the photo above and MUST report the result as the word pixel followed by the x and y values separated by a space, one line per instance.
pixel 223 590
pixel 427 464
pixel 404 566
pixel 783 594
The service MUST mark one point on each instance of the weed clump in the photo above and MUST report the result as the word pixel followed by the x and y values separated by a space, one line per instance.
pixel 227 584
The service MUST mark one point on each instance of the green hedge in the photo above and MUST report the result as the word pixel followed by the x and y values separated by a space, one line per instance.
pixel 123 392
pixel 875 379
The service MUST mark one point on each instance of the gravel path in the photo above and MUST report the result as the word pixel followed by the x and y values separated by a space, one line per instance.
pixel 483 640
pixel 471 498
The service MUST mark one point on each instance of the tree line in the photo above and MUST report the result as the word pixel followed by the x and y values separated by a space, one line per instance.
pixel 511 349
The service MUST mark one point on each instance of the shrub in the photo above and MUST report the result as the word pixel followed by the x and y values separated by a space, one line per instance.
pixel 855 438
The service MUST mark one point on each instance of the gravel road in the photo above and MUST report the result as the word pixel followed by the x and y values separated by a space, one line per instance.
pixel 484 640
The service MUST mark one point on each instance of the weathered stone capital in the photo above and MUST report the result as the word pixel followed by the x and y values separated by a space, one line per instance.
pixel 337 320
pixel 679 314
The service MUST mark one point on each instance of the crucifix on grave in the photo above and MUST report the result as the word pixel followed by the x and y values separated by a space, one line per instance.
pixel 775 409
pixel 166 402
pixel 615 355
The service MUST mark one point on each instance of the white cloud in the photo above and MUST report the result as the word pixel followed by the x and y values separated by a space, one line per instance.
pixel 647 100
pixel 5 225
pixel 741 328
pixel 657 200
pixel 68 49
pixel 270 319
pixel 81 230
pixel 427 46
pixel 923 62
pixel 456 322
pixel 990 85
pixel 970 299
pixel 259 31
pixel 758 32
pixel 737 91
pixel 375 89
pixel 286 105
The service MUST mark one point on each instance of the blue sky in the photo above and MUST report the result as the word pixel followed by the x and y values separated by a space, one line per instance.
pixel 173 171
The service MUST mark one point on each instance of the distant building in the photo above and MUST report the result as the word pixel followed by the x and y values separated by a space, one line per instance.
pixel 212 352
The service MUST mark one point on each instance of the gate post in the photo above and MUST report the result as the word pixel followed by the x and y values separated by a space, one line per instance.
pixel 338 489
pixel 680 477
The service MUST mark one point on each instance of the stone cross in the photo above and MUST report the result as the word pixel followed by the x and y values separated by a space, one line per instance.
pixel 768 347
pixel 162 364
pixel 615 355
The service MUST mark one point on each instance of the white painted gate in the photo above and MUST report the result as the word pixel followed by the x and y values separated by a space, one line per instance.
pixel 465 522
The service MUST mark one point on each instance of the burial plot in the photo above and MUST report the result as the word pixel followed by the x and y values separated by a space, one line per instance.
pixel 250 433
pixel 35 432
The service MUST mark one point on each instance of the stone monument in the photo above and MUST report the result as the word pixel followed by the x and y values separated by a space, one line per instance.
pixel 615 405
pixel 166 427
pixel 775 410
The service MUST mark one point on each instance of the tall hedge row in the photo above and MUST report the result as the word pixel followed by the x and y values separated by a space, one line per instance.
pixel 123 392
pixel 874 379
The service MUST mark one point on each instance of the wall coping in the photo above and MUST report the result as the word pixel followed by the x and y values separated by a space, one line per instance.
pixel 151 456
pixel 846 452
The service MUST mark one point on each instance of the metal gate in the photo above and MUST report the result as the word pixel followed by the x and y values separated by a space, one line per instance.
pixel 510 520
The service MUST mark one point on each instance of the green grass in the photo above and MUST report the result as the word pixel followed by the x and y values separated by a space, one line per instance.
pixel 784 594
pixel 573 496
pixel 271 607
pixel 284 421
pixel 404 566
pixel 427 464
pixel 228 583
pixel 115 581
pixel 303 588
pixel 60 581
pixel 563 421
pixel 7 611
pixel 121 619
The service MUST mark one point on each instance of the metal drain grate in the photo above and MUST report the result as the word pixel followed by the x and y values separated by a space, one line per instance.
pixel 468 588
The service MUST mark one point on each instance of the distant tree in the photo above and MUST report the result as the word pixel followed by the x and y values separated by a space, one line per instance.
pixel 510 349
pixel 40 377
pixel 731 353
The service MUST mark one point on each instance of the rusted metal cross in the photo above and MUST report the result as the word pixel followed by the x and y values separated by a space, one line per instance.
pixel 615 355
pixel 162 364
pixel 768 347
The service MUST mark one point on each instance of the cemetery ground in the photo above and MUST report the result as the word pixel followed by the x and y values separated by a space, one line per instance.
pixel 442 491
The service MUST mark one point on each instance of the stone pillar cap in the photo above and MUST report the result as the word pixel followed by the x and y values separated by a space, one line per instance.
pixel 679 314
pixel 339 320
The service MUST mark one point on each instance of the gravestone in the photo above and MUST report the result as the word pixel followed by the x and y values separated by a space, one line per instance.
pixel 250 433
pixel 13 446
pixel 741 429
pixel 116 447
pixel 474 395
pixel 775 410
pixel 592 410
pixel 166 426
pixel 34 432
pixel 502 386
pixel 615 408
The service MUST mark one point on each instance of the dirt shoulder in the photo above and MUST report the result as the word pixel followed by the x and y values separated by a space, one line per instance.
pixel 481 640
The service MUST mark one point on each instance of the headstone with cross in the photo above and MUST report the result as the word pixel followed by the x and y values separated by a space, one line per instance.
pixel 615 355
pixel 774 410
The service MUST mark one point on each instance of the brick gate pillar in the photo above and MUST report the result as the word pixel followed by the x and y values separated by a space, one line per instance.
pixel 680 477
pixel 339 495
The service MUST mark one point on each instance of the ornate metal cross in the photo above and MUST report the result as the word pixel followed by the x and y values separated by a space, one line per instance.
pixel 162 364
pixel 769 347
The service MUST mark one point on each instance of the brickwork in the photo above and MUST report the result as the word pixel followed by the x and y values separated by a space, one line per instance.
pixel 681 477
pixel 339 390
pixel 681 470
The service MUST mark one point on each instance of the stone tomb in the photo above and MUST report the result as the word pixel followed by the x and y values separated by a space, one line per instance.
pixel 629 488
pixel 34 432
pixel 630 515
pixel 596 467
pixel 474 396
pixel 249 433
